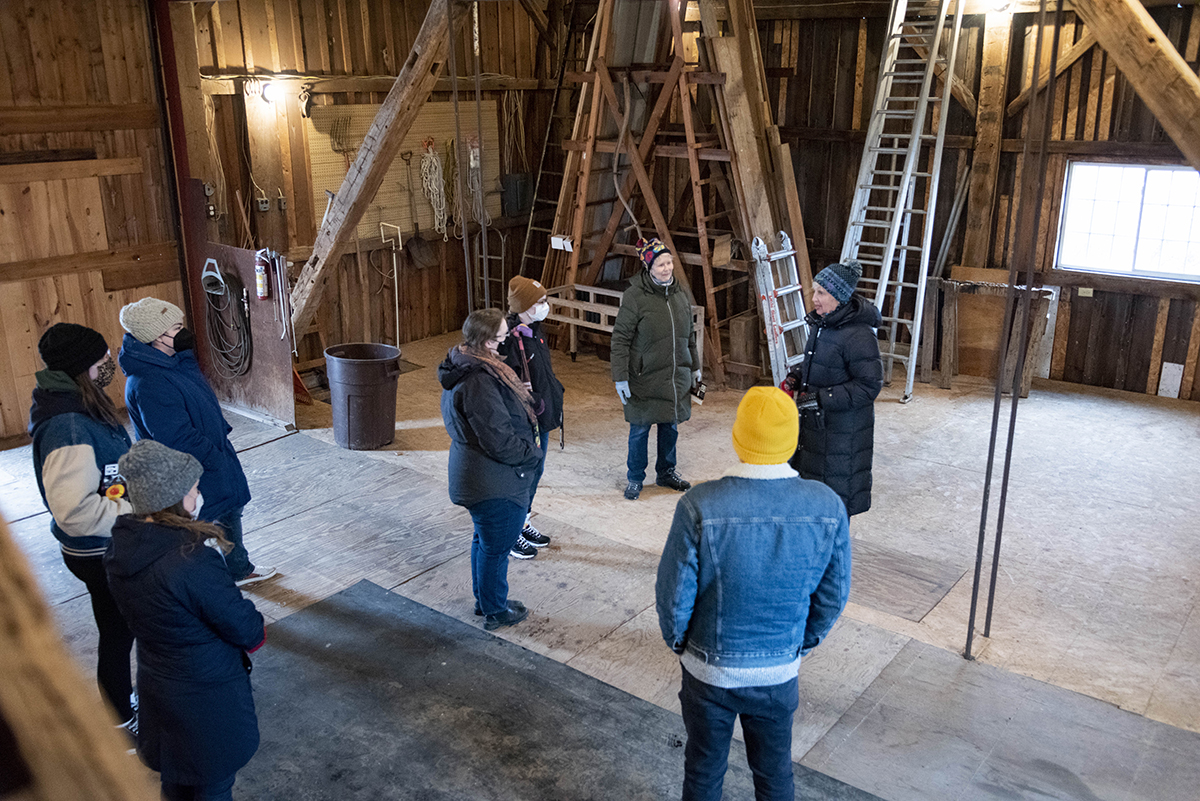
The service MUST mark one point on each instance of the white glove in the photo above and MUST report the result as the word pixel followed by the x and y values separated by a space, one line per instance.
pixel 696 376
pixel 623 392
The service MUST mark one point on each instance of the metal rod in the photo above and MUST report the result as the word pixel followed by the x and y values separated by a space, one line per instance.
pixel 1029 240
pixel 458 149
pixel 484 265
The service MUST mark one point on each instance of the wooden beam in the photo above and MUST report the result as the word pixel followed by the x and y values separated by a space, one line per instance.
pixel 150 258
pixel 60 170
pixel 62 119
pixel 989 128
pixel 958 87
pixel 411 89
pixel 644 148
pixel 1073 54
pixel 635 164
pixel 539 19
pixel 1117 283
pixel 1144 54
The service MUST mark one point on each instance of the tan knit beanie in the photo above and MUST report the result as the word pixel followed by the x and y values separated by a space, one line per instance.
pixel 522 293
pixel 150 318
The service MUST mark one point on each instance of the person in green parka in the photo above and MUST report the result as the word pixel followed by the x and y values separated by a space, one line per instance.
pixel 654 363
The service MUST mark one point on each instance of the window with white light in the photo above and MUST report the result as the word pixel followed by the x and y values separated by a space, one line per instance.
pixel 1141 221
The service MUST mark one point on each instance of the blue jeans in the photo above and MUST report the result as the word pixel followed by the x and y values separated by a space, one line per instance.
pixel 498 523
pixel 766 713
pixel 544 440
pixel 213 791
pixel 238 560
pixel 639 436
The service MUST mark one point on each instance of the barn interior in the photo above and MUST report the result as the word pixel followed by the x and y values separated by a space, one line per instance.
pixel 304 175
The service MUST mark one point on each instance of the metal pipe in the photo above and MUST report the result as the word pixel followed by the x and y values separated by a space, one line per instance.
pixel 458 149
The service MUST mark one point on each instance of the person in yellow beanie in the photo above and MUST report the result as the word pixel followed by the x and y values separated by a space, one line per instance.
pixel 755 572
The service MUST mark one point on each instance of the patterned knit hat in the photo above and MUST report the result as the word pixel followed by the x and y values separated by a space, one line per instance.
pixel 150 318
pixel 650 249
pixel 839 280
pixel 523 293
pixel 157 477
pixel 767 427
pixel 71 348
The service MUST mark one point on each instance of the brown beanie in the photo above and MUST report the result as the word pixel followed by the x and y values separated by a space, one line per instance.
pixel 523 293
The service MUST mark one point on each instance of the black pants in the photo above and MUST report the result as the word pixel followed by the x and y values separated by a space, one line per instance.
pixel 116 641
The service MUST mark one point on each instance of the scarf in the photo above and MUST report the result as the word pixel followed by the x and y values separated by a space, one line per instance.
pixel 507 378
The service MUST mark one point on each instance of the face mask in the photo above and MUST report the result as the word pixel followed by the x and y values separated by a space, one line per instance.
pixel 539 312
pixel 184 340
pixel 105 373
pixel 199 504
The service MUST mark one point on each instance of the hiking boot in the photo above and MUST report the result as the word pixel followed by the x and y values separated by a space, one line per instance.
pixel 511 605
pixel 672 480
pixel 633 490
pixel 523 549
pixel 534 537
pixel 511 616
pixel 259 574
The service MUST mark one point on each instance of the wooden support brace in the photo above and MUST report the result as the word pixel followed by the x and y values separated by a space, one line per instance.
pixel 410 91
pixel 1073 54
pixel 1163 80
pixel 958 87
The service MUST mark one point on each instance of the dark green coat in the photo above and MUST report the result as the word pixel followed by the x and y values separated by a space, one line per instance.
pixel 654 349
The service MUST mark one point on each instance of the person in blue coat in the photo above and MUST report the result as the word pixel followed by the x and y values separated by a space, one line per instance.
pixel 170 401
pixel 194 629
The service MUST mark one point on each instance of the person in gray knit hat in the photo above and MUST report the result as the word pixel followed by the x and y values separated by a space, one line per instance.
pixel 170 400
pixel 194 629
pixel 836 385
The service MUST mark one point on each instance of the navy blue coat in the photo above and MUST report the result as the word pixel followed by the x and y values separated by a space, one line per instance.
pixel 842 367
pixel 494 452
pixel 170 401
pixel 196 721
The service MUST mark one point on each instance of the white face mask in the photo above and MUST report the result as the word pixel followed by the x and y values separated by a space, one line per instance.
pixel 199 504
pixel 539 312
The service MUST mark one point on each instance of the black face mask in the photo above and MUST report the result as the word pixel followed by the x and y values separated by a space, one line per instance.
pixel 183 340
pixel 105 373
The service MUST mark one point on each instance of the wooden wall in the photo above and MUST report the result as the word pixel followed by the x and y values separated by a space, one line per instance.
pixel 822 74
pixel 87 223
pixel 339 53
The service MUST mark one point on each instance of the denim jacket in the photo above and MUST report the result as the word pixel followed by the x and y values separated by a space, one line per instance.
pixel 756 568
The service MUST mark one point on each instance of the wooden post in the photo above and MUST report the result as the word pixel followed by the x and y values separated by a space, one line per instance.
pixel 989 124
pixel 1169 88
pixel 949 332
pixel 410 91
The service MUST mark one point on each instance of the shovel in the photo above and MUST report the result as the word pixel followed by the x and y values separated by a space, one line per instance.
pixel 417 249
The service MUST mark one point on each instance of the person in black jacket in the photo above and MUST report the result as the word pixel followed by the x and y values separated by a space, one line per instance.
pixel 836 385
pixel 197 725
pixel 494 455
pixel 77 440
pixel 526 352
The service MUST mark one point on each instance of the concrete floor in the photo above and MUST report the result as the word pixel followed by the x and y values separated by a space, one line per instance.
pixel 1095 645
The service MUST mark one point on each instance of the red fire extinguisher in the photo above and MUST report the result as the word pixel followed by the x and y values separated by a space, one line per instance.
pixel 262 260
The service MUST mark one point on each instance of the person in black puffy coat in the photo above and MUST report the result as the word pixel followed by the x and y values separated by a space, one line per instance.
pixel 196 721
pixel 836 385
pixel 494 455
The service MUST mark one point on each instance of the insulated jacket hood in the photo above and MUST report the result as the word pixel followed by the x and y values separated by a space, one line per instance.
pixel 54 394
pixel 455 367
pixel 139 359
pixel 137 544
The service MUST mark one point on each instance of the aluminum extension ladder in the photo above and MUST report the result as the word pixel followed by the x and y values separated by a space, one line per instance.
pixel 782 300
pixel 891 217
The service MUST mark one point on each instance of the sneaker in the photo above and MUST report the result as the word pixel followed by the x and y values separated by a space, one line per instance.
pixel 130 727
pixel 633 490
pixel 511 616
pixel 672 480
pixel 523 549
pixel 534 537
pixel 259 574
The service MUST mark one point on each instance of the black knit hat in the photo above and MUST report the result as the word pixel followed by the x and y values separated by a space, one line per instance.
pixel 71 348
pixel 839 280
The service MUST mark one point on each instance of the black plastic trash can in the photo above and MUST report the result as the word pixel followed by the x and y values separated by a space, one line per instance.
pixel 362 387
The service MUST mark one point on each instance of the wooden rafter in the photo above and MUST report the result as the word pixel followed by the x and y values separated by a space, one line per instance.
pixel 411 89
pixel 1073 54
pixel 1144 54
pixel 958 87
